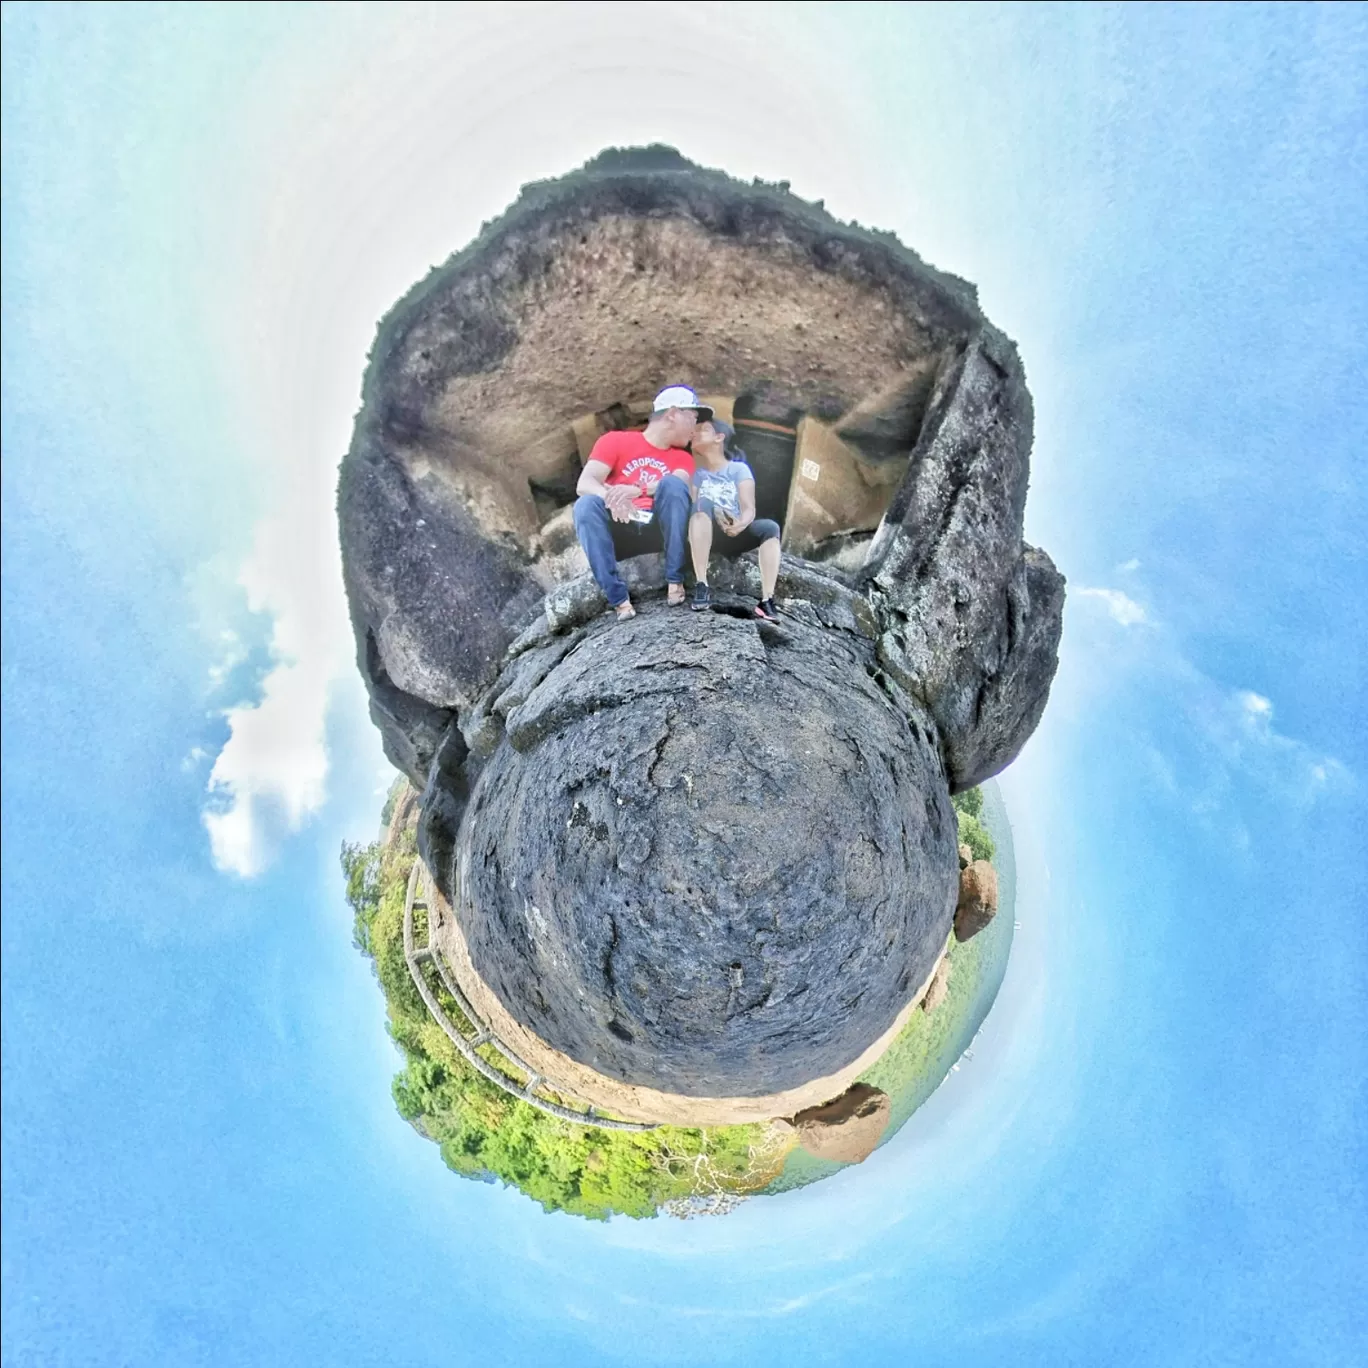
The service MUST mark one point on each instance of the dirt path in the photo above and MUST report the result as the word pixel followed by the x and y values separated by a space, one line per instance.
pixel 630 1101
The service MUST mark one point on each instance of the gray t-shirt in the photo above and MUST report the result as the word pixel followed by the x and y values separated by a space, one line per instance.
pixel 721 489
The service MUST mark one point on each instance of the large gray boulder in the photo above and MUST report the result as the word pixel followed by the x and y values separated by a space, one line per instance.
pixel 973 613
pixel 696 853
pixel 715 857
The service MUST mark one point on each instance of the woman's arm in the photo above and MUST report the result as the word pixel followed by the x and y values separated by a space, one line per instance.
pixel 745 492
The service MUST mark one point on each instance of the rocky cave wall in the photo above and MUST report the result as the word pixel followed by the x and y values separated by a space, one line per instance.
pixel 916 606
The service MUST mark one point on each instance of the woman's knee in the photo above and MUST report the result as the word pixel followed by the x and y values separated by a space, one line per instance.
pixel 766 529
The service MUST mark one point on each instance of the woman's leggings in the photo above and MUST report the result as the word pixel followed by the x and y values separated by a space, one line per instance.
pixel 761 530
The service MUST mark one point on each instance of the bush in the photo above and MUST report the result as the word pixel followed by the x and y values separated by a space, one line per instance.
pixel 485 1132
pixel 973 834
pixel 968 812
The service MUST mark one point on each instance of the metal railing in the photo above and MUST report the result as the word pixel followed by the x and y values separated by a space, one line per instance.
pixel 415 955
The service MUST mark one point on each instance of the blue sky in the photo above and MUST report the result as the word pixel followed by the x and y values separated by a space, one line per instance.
pixel 1158 1157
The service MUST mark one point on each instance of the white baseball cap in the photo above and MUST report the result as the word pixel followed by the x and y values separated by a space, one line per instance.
pixel 681 396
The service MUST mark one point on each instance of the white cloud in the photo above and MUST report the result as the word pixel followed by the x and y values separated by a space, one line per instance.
pixel 1240 754
pixel 335 218
pixel 236 839
pixel 1129 567
pixel 271 775
pixel 272 769
pixel 1239 728
pixel 1122 607
pixel 233 653
pixel 1210 744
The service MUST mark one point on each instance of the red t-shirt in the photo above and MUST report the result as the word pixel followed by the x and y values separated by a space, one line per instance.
pixel 631 459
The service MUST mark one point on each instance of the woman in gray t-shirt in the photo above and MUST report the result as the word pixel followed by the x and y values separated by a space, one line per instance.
pixel 724 493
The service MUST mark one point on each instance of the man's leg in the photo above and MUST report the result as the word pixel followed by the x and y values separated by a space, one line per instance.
pixel 671 513
pixel 594 528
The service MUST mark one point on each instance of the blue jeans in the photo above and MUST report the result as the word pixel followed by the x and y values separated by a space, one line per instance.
pixel 603 539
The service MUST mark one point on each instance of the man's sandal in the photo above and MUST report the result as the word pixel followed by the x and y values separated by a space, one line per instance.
pixel 674 595
pixel 624 610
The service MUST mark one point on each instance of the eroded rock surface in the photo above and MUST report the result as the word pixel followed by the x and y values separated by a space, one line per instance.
pixel 847 1129
pixel 695 853
pixel 708 854
pixel 977 904
pixel 939 986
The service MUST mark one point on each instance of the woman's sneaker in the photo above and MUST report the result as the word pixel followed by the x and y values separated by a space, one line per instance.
pixel 702 597
pixel 766 609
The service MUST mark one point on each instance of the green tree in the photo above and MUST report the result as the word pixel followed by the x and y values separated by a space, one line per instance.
pixel 483 1131
pixel 361 869
pixel 969 814
pixel 973 834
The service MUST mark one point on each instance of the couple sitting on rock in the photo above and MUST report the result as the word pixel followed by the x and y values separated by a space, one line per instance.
pixel 640 490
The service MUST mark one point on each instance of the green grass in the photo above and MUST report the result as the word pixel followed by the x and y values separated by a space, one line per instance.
pixel 915 1064
pixel 484 1132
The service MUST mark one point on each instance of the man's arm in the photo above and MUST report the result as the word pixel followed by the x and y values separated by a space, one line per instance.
pixel 618 498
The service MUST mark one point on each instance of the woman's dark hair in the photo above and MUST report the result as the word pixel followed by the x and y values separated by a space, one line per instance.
pixel 729 448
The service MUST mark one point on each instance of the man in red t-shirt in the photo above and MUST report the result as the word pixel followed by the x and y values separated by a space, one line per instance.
pixel 634 495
